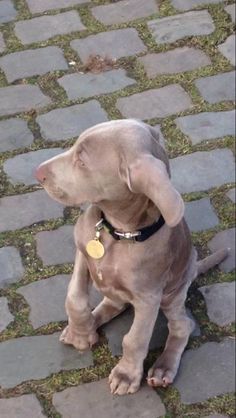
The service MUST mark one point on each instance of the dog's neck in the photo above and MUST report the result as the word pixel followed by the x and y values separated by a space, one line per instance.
pixel 130 214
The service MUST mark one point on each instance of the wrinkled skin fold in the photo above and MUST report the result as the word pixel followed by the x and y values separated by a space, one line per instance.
pixel 120 168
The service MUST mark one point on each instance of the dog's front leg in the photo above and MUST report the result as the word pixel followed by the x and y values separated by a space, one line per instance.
pixel 127 375
pixel 80 331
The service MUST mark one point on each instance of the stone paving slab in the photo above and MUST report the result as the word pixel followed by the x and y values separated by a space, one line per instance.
pixel 90 84
pixel 231 11
pixel 21 98
pixel 116 329
pixel 56 247
pixel 124 11
pixel 46 299
pixel 37 357
pixel 212 366
pixel 37 6
pixel 45 27
pixel 200 215
pixel 155 103
pixel 170 29
pixel 12 268
pixel 21 168
pixel 5 315
pixel 175 61
pixel 14 134
pixel 7 11
pixel 114 44
pixel 225 239
pixel 216 416
pixel 2 43
pixel 21 407
pixel 32 62
pixel 207 125
pixel 191 4
pixel 68 122
pixel 19 211
pixel 228 49
pixel 220 302
pixel 231 195
pixel 217 88
pixel 203 170
pixel 143 404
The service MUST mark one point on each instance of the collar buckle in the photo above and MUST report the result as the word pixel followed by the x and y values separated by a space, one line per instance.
pixel 127 235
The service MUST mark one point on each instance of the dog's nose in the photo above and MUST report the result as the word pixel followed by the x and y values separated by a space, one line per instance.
pixel 41 173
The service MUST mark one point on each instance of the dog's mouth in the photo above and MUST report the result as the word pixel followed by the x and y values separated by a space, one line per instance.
pixel 56 193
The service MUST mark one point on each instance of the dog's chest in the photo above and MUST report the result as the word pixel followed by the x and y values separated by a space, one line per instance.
pixel 112 274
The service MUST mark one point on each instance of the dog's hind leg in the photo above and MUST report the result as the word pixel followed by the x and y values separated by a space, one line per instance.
pixel 180 326
pixel 212 260
pixel 106 310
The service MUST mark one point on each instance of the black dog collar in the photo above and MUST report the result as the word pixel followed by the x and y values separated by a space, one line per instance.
pixel 138 236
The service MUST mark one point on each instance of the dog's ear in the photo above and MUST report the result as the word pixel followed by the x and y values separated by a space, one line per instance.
pixel 148 175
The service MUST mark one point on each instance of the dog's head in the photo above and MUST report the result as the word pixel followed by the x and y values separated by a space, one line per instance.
pixel 109 162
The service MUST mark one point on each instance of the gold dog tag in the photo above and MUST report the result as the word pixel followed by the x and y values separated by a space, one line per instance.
pixel 95 249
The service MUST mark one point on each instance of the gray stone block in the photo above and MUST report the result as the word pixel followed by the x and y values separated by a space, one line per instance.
pixel 95 399
pixel 14 134
pixel 220 302
pixel 170 29
pixel 200 215
pixel 32 62
pixel 7 11
pixel 175 61
pixel 124 11
pixel 21 407
pixel 206 372
pixel 202 170
pixel 37 6
pixel 12 268
pixel 217 88
pixel 231 11
pixel 114 44
pixel 116 329
pixel 69 122
pixel 90 84
pixel 216 416
pixel 19 211
pixel 46 27
pixel 191 4
pixel 2 43
pixel 46 299
pixel 231 195
pixel 21 98
pixel 37 358
pixel 56 247
pixel 228 49
pixel 225 239
pixel 207 125
pixel 155 103
pixel 5 315
pixel 21 168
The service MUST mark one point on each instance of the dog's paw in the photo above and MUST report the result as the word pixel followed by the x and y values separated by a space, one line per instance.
pixel 125 379
pixel 80 342
pixel 162 373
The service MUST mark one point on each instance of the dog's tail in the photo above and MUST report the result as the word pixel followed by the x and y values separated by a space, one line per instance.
pixel 212 260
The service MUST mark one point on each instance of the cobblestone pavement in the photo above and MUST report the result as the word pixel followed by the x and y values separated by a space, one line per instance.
pixel 66 65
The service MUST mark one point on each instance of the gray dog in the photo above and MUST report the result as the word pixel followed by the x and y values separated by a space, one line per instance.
pixel 133 242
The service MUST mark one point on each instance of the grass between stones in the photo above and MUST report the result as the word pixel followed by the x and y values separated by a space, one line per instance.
pixel 177 144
